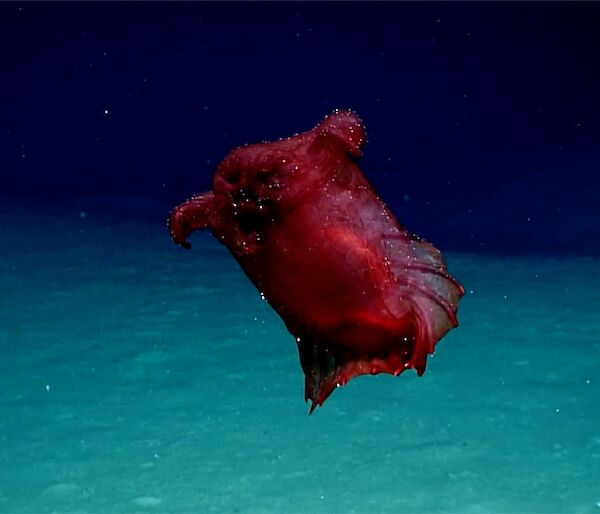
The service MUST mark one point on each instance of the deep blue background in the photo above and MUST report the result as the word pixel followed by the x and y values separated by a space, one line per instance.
pixel 483 119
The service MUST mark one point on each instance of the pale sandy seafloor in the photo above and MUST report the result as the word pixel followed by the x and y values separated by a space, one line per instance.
pixel 138 377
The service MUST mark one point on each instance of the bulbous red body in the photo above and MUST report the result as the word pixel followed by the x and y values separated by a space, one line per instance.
pixel 360 293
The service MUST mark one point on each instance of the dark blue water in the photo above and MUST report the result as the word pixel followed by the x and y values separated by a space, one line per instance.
pixel 135 376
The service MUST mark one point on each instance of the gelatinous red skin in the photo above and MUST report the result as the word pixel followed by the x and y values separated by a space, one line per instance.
pixel 360 293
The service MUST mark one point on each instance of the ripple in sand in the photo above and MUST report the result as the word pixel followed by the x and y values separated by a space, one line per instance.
pixel 147 501
pixel 61 489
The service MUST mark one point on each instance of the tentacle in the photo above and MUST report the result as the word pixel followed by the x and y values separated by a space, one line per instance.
pixel 194 214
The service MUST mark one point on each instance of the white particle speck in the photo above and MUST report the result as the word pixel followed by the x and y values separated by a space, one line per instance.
pixel 106 112
pixel 47 387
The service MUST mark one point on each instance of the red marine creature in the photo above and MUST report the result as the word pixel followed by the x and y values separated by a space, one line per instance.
pixel 359 292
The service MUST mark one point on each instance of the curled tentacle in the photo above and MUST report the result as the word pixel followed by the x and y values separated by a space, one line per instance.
pixel 192 215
